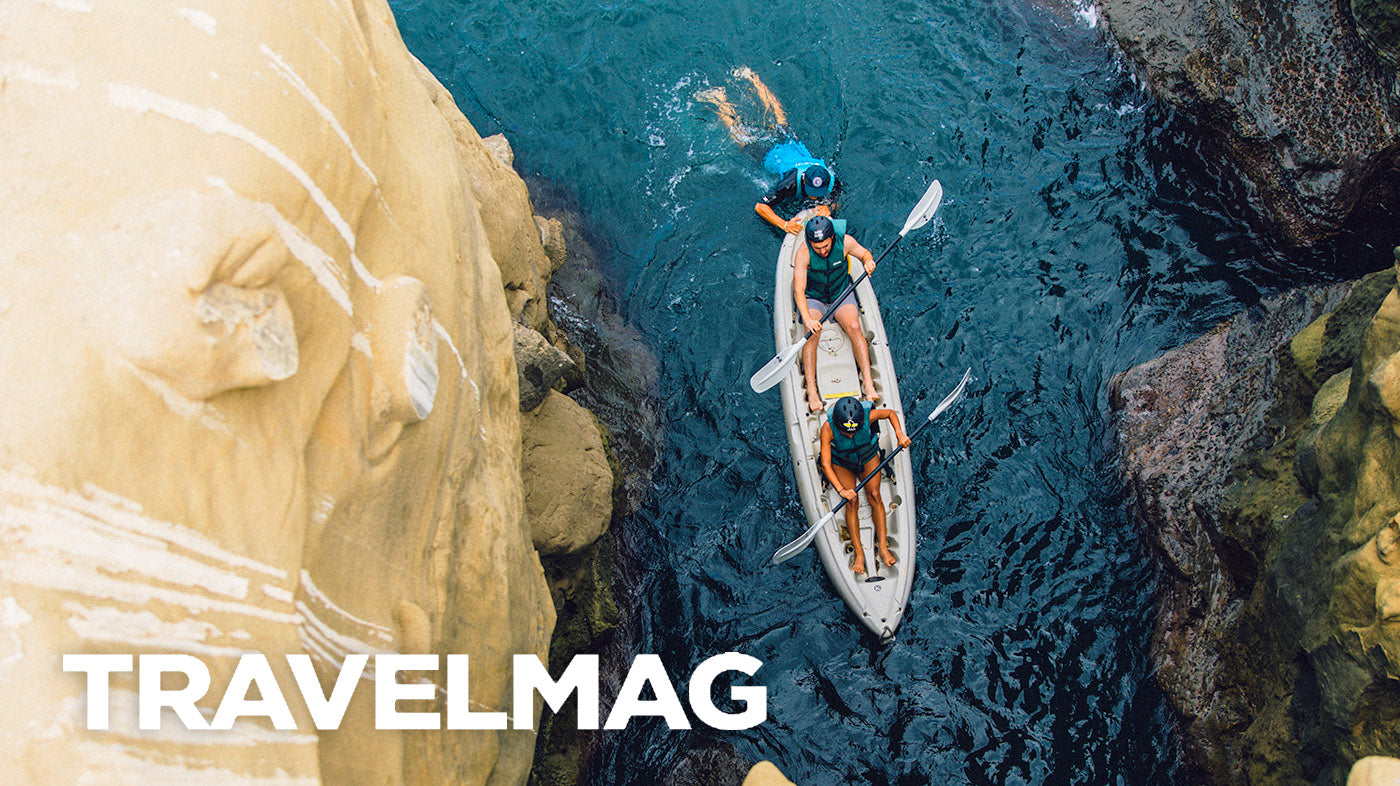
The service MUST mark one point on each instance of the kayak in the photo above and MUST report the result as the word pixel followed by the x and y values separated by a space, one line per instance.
pixel 878 599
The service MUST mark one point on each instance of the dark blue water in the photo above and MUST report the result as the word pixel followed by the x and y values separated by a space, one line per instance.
pixel 1082 232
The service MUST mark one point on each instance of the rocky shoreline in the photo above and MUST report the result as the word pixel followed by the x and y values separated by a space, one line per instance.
pixel 1301 97
pixel 1251 459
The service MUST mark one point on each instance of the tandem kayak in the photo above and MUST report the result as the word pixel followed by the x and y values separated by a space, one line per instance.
pixel 878 599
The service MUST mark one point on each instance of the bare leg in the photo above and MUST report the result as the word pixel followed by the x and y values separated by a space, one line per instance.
pixel 849 480
pixel 726 113
pixel 848 316
pixel 877 512
pixel 809 371
pixel 770 101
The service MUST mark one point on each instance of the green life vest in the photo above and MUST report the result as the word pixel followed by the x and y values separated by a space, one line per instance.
pixel 854 451
pixel 827 277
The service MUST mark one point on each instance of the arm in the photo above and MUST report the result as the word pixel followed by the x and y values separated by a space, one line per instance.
pixel 799 290
pixel 854 249
pixel 787 186
pixel 888 414
pixel 830 473
pixel 790 226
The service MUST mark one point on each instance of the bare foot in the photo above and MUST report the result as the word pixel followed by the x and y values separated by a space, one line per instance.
pixel 858 565
pixel 887 557
pixel 714 95
pixel 815 403
pixel 870 391
pixel 742 72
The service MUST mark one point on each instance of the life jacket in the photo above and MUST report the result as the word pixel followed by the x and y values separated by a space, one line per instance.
pixel 855 450
pixel 828 277
pixel 788 155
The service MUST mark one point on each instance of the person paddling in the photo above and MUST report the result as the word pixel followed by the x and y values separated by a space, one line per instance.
pixel 850 451
pixel 820 274
pixel 801 174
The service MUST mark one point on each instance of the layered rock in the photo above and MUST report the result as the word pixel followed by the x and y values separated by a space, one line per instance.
pixel 1301 96
pixel 260 289
pixel 1263 466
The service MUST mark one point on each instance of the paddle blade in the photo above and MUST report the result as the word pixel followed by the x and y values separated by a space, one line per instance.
pixel 922 212
pixel 773 372
pixel 951 397
pixel 791 550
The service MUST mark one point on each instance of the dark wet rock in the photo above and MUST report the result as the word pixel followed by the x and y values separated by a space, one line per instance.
pixel 539 366
pixel 718 764
pixel 1378 23
pixel 618 386
pixel 1270 684
pixel 1304 108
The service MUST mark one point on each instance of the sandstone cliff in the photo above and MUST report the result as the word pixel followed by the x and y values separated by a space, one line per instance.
pixel 1262 460
pixel 1302 97
pixel 260 290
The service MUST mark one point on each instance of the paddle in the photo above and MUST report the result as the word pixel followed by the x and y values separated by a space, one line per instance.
pixel 776 369
pixel 791 549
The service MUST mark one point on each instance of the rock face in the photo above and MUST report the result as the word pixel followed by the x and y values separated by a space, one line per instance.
pixel 1294 95
pixel 257 385
pixel 1262 465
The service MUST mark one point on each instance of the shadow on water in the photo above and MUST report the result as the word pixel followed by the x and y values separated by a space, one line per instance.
pixel 1084 230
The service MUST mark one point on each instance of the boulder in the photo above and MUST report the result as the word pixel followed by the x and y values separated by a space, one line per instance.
pixel 568 482
pixel 539 365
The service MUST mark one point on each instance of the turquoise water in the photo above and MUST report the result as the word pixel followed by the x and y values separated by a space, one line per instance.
pixel 1082 232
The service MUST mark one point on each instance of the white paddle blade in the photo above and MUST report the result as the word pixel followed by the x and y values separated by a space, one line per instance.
pixel 791 550
pixel 773 372
pixel 951 397
pixel 923 211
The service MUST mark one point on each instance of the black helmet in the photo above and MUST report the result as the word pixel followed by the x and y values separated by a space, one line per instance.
pixel 819 228
pixel 848 415
pixel 816 180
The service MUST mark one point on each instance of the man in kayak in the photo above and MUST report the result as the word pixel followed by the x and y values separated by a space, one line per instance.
pixel 851 451
pixel 800 173
pixel 820 274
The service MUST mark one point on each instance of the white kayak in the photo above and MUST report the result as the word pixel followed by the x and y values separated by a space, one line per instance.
pixel 878 598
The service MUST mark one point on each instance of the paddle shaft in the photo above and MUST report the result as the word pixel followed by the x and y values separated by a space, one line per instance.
pixel 831 309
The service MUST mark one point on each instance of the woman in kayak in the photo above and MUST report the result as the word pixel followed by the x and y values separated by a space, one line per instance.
pixel 851 451
pixel 800 173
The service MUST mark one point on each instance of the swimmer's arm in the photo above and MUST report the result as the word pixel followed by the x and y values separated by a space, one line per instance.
pixel 767 214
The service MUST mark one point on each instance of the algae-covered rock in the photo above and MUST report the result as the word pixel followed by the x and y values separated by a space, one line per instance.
pixel 1289 676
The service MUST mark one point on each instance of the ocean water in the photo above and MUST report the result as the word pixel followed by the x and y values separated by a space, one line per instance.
pixel 1083 231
